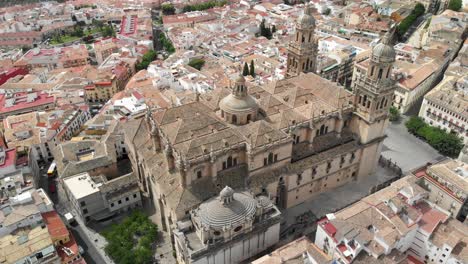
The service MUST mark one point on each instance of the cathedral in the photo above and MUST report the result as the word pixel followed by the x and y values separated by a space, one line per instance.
pixel 288 140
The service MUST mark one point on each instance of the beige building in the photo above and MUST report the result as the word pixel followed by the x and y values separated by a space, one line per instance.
pixel 290 139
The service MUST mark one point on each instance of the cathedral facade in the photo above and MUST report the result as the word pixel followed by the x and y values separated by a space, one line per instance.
pixel 288 140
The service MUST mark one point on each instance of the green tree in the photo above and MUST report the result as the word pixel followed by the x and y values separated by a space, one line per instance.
pixel 168 9
pixel 108 31
pixel 147 58
pixel 196 63
pixel 327 11
pixel 252 68
pixel 406 23
pixel 245 71
pixel 455 5
pixel 414 124
pixel 131 241
pixel 394 114
pixel 78 31
pixel 265 31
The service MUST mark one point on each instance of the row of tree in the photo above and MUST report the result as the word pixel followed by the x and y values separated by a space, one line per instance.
pixel 169 9
pixel 204 6
pixel 406 23
pixel 447 144
pixel 249 71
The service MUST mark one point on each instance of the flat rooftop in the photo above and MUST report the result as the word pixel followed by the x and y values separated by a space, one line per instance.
pixel 81 185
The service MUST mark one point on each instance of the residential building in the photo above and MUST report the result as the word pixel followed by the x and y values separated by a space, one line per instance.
pixel 220 228
pixel 446 106
pixel 301 250
pixel 98 198
pixel 397 224
pixel 29 246
pixel 447 186
pixel 52 58
pixel 41 131
pixel 64 241
pixel 23 210
pixel 15 103
pixel 104 48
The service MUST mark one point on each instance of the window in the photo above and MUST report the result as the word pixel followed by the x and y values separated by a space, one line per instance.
pixel 216 233
pixel 120 202
pixel 234 119
pixel 237 229
pixel 85 211
pixel 82 203
pixel 199 174
pixel 270 158
pixel 126 199
pixel 112 204
pixel 299 178
pixel 134 195
pixel 380 73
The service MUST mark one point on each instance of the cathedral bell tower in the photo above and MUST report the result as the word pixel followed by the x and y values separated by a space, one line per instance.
pixel 373 94
pixel 374 90
pixel 302 51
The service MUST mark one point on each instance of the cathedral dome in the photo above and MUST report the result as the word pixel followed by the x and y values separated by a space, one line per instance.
pixel 219 213
pixel 306 19
pixel 383 52
pixel 234 104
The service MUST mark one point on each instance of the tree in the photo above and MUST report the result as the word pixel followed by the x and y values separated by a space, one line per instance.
pixel 108 31
pixel 265 31
pixel 455 5
pixel 406 23
pixel 131 241
pixel 327 11
pixel 168 9
pixel 196 63
pixel 78 31
pixel 394 114
pixel 414 124
pixel 147 58
pixel 245 71
pixel 252 68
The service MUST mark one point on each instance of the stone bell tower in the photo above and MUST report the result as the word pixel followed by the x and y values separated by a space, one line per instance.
pixel 302 51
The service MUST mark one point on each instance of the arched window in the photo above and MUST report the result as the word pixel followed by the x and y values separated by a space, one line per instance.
pixel 388 72
pixel 229 162
pixel 297 36
pixel 364 101
pixel 303 39
pixel 270 158
pixel 326 129
pixel 249 117
pixel 308 62
pixel 322 130
pixel 372 71
pixel 382 103
pixel 234 119
pixel 310 36
pixel 380 73
pixel 386 101
pixel 360 99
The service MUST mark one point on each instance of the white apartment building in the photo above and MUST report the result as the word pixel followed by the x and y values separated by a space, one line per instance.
pixel 96 198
